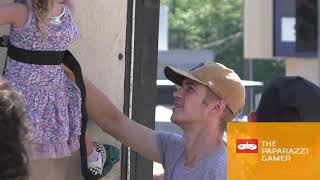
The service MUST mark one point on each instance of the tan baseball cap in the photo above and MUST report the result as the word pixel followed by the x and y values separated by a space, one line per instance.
pixel 223 81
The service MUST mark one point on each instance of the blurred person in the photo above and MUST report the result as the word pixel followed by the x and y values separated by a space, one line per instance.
pixel 13 160
pixel 288 99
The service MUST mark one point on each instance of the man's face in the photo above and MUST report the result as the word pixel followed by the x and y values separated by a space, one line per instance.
pixel 188 103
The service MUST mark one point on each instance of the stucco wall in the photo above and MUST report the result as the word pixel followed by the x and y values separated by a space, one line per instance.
pixel 102 25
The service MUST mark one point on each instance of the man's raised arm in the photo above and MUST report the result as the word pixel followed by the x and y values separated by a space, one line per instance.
pixel 112 121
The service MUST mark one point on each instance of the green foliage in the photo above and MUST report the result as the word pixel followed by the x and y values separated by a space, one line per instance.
pixel 216 25
pixel 231 55
pixel 267 70
pixel 200 22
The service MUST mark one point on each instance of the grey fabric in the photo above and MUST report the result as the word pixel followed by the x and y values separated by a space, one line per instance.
pixel 171 150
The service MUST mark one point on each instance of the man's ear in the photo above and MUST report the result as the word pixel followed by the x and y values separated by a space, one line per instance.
pixel 252 117
pixel 220 106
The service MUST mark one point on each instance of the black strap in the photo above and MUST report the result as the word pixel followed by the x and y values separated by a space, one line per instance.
pixel 56 58
pixel 36 57
pixel 71 62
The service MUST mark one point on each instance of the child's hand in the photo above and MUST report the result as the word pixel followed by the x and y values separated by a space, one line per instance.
pixel 68 73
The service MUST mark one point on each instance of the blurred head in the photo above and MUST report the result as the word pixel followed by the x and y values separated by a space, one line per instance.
pixel 12 155
pixel 209 91
pixel 288 99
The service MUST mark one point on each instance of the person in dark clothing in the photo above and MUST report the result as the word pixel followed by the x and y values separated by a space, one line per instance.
pixel 289 99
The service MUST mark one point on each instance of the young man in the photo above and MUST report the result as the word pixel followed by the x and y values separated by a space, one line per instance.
pixel 209 96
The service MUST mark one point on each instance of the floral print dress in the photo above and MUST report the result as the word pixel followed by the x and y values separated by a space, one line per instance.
pixel 52 101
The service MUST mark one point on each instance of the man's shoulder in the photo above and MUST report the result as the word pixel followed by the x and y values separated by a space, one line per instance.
pixel 169 137
pixel 169 145
pixel 215 165
pixel 211 168
pixel 218 158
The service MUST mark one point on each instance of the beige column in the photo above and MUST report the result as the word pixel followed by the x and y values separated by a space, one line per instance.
pixel 258 29
pixel 306 68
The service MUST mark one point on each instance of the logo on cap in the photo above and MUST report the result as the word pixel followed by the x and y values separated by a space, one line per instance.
pixel 247 145
pixel 210 83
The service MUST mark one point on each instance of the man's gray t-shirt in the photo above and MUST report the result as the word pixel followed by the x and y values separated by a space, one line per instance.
pixel 172 157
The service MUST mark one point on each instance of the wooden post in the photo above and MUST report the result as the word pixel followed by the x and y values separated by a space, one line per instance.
pixel 144 77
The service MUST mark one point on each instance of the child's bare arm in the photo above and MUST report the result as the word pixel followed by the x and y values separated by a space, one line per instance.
pixel 14 14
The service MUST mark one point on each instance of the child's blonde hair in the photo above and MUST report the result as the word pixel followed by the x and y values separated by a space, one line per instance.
pixel 41 9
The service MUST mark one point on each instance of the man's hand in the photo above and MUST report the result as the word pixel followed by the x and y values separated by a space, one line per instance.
pixel 68 73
